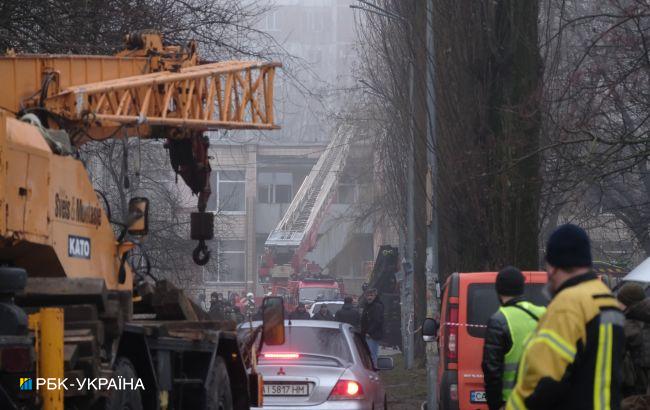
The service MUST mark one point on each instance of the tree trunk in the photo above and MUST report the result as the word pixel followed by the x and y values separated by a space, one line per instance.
pixel 488 71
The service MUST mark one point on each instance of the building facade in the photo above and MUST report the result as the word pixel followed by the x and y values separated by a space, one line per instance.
pixel 252 187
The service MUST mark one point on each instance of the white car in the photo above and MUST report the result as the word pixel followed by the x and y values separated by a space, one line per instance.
pixel 332 305
pixel 322 365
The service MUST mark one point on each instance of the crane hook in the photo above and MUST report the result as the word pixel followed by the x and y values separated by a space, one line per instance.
pixel 201 254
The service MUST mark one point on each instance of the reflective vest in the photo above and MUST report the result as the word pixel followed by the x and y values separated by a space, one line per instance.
pixel 521 324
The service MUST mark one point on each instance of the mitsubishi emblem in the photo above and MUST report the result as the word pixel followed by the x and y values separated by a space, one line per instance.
pixel 281 372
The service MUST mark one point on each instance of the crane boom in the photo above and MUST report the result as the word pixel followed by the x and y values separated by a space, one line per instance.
pixel 148 90
pixel 225 95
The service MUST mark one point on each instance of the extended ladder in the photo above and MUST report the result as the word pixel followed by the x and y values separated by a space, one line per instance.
pixel 298 229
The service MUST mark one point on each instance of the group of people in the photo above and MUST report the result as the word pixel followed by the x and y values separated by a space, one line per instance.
pixel 588 349
pixel 224 309
pixel 370 321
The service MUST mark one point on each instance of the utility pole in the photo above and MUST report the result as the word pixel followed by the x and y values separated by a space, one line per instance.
pixel 420 114
pixel 432 231
pixel 409 262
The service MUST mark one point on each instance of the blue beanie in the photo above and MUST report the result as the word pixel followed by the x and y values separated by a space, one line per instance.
pixel 568 247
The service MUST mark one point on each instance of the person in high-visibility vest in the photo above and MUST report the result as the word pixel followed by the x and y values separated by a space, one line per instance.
pixel 507 332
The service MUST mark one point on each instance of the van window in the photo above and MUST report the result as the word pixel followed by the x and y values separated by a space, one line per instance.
pixel 482 302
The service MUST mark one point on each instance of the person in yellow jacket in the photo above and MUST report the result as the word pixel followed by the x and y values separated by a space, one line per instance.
pixel 573 360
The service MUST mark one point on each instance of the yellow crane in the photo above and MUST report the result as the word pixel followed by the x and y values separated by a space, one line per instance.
pixel 60 258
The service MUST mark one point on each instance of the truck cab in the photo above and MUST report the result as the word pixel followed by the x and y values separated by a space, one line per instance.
pixel 311 290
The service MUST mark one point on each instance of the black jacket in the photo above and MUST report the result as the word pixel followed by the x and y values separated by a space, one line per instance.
pixel 497 343
pixel 217 310
pixel 326 316
pixel 348 314
pixel 372 320
pixel 297 315
pixel 636 375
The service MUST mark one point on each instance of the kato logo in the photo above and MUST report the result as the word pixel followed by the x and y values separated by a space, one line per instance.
pixel 26 383
pixel 78 247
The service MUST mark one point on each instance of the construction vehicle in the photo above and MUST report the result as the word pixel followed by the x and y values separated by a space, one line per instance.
pixel 67 294
pixel 297 232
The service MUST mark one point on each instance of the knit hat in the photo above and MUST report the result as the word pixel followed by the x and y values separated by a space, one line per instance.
pixel 631 294
pixel 568 247
pixel 510 282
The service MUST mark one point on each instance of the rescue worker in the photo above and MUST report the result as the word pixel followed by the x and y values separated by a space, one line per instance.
pixel 372 322
pixel 507 332
pixel 348 313
pixel 573 360
pixel 300 313
pixel 636 369
pixel 323 313
pixel 250 310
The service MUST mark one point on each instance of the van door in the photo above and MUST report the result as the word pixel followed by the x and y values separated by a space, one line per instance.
pixel 478 301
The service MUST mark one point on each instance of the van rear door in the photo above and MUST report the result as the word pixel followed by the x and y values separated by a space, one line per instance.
pixel 478 301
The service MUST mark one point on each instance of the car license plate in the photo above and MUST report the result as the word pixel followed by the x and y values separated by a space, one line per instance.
pixel 286 389
pixel 477 397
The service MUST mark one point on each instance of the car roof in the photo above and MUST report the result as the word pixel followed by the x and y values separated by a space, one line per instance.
pixel 327 324
pixel 326 285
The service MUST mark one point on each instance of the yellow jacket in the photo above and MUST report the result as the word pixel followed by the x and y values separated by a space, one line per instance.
pixel 573 359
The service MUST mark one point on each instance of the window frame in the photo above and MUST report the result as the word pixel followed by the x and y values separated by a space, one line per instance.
pixel 216 279
pixel 218 190
pixel 275 193
pixel 271 16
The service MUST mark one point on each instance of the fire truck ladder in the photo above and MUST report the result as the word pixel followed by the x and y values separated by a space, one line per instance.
pixel 300 223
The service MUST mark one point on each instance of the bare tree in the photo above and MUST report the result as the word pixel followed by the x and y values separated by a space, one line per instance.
pixel 596 106
pixel 221 27
pixel 488 87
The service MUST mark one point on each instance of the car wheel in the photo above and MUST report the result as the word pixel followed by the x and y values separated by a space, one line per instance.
pixel 218 394
pixel 124 399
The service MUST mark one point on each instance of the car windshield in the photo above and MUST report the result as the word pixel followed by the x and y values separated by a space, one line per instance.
pixel 482 303
pixel 308 340
pixel 311 294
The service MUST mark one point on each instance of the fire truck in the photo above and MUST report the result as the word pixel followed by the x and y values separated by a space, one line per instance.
pixel 284 269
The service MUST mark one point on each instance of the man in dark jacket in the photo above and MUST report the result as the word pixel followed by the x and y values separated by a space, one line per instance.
pixel 323 313
pixel 372 322
pixel 217 308
pixel 348 313
pixel 300 313
pixel 636 369
pixel 507 332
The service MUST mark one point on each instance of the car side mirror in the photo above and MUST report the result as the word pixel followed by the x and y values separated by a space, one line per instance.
pixel 273 320
pixel 385 363
pixel 430 329
pixel 138 223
